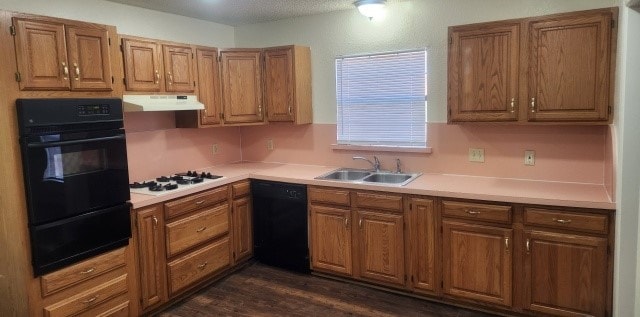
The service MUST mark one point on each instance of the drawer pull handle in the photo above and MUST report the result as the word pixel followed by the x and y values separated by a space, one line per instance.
pixel 88 271
pixel 201 229
pixel 360 223
pixel 346 222
pixel 528 246
pixel 513 105
pixel 77 71
pixel 65 70
pixel 90 300
pixel 506 243
pixel 472 212
pixel 170 78
pixel 533 104
pixel 562 220
pixel 200 202
pixel 155 221
pixel 157 76
pixel 202 266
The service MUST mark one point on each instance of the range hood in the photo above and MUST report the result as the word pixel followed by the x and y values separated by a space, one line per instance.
pixel 160 103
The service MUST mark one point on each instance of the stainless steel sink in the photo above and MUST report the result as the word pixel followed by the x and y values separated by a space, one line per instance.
pixel 368 177
pixel 345 175
pixel 390 178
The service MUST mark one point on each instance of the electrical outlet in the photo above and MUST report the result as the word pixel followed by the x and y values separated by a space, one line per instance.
pixel 270 144
pixel 214 149
pixel 476 155
pixel 530 157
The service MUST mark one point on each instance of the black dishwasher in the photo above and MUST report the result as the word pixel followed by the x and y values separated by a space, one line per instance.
pixel 280 225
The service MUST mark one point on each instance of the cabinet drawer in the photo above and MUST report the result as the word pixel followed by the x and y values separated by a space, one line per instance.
pixel 566 220
pixel 116 307
pixel 89 299
pixel 196 265
pixel 379 201
pixel 329 196
pixel 484 212
pixel 196 201
pixel 82 271
pixel 200 227
pixel 240 189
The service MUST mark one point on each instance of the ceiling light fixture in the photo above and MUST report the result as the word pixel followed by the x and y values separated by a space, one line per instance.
pixel 371 8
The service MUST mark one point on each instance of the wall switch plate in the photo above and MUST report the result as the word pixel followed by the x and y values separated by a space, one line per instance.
pixel 270 144
pixel 214 149
pixel 476 155
pixel 530 157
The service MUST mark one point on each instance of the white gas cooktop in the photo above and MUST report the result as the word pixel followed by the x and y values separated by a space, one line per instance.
pixel 165 185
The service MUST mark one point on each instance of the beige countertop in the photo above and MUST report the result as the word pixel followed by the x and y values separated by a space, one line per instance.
pixel 441 185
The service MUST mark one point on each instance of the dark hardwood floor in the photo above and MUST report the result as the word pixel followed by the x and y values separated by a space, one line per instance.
pixel 260 290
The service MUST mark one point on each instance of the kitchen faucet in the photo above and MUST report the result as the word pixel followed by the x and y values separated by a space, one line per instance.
pixel 375 163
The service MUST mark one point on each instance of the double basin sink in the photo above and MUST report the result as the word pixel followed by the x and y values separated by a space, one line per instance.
pixel 363 176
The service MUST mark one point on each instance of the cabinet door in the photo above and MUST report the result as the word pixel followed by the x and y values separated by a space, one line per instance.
pixel 331 239
pixel 89 59
pixel 381 247
pixel 41 55
pixel 279 89
pixel 422 243
pixel 569 68
pixel 209 85
pixel 242 229
pixel 151 256
pixel 565 274
pixel 477 262
pixel 242 86
pixel 178 67
pixel 142 65
pixel 483 72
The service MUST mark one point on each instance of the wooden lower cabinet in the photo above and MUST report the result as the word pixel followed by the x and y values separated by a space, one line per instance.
pixel 331 239
pixel 186 270
pixel 477 262
pixel 380 239
pixel 242 229
pixel 422 241
pixel 85 301
pixel 151 256
pixel 565 274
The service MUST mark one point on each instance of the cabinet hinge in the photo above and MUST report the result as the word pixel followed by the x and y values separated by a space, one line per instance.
pixel 411 278
pixel 124 81
pixel 12 30
pixel 121 48
pixel 609 109
pixel 18 77
pixel 613 24
pixel 219 58
pixel 192 56
pixel 221 115
pixel 450 40
pixel 109 40
pixel 234 255
pixel 410 206
pixel 194 83
pixel 405 277
pixel 449 111
pixel 113 80
pixel 442 284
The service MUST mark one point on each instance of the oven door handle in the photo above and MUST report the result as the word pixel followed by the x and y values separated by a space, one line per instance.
pixel 74 142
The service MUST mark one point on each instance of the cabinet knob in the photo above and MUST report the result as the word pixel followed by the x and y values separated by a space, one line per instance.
pixel 88 271
pixel 290 109
pixel 528 246
pixel 346 222
pixel 513 105
pixel 77 71
pixel 533 104
pixel 202 266
pixel 563 221
pixel 155 221
pixel 90 300
pixel 506 243
pixel 157 76
pixel 360 223
pixel 170 78
pixel 472 212
pixel 65 70
pixel 201 229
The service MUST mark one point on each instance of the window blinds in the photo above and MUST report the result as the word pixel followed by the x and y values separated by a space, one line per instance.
pixel 382 99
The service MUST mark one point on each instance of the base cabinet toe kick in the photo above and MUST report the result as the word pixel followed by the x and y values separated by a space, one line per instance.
pixel 499 257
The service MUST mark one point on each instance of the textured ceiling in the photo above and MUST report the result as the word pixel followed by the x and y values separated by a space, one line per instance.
pixel 239 12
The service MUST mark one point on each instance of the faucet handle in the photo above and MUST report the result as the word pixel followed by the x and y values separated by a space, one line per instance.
pixel 398 167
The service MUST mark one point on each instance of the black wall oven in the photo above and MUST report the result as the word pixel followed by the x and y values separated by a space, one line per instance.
pixel 74 158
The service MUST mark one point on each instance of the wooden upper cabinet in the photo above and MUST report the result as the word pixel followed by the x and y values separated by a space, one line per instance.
pixel 209 85
pixel 331 239
pixel 483 72
pixel 477 262
pixel 57 56
pixel 569 67
pixel 178 67
pixel 565 274
pixel 89 59
pixel 381 247
pixel 287 87
pixel 41 54
pixel 242 85
pixel 142 65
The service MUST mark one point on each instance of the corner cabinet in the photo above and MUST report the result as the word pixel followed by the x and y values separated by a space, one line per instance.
pixel 287 84
pixel 54 54
pixel 556 68
pixel 242 86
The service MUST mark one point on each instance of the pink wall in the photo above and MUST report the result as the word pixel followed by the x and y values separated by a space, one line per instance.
pixel 155 147
pixel 609 165
pixel 563 153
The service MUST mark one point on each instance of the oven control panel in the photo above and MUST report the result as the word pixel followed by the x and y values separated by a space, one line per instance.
pixel 92 110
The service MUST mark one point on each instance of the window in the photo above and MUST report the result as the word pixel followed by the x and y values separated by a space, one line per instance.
pixel 382 99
